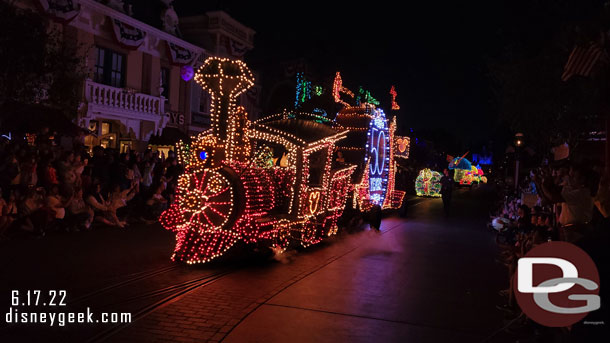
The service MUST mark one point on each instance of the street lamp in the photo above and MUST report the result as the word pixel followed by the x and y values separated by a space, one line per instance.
pixel 518 144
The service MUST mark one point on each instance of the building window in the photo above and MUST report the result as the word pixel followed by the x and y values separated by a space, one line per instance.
pixel 99 65
pixel 105 128
pixel 165 83
pixel 109 67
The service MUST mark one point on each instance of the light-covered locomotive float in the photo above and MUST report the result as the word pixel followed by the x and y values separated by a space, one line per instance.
pixel 233 189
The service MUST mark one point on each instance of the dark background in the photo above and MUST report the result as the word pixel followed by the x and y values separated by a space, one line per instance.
pixel 440 55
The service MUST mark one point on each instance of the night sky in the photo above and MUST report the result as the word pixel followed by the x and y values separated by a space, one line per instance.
pixel 435 52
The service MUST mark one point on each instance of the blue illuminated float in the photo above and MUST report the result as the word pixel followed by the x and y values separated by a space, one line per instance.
pixel 465 172
pixel 378 157
pixel 372 145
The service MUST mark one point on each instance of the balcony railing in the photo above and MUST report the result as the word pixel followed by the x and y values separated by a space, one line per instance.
pixel 122 101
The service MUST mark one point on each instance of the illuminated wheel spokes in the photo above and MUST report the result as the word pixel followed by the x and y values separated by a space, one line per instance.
pixel 210 202
pixel 207 203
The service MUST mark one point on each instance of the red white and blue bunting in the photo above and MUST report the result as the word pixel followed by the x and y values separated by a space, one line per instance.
pixel 127 35
pixel 180 55
pixel 60 10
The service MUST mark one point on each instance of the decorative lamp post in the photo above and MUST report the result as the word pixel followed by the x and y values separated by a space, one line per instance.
pixel 518 145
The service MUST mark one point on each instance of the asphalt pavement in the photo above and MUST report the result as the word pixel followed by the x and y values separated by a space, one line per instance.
pixel 423 278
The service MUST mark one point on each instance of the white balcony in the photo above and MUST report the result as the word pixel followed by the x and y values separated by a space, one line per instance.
pixel 122 103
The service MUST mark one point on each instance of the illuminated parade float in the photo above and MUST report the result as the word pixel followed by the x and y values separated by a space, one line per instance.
pixel 371 145
pixel 428 183
pixel 464 172
pixel 274 181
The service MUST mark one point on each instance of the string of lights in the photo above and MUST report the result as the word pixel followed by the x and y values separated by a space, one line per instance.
pixel 376 185
pixel 428 183
pixel 394 103
pixel 366 97
pixel 338 88
pixel 233 188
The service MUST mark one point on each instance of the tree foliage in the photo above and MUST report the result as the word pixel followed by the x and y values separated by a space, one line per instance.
pixel 39 64
pixel 529 92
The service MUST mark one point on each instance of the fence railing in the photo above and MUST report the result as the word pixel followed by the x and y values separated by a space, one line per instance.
pixel 122 99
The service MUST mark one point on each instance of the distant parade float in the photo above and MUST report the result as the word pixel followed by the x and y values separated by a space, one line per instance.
pixel 275 181
pixel 428 183
pixel 464 172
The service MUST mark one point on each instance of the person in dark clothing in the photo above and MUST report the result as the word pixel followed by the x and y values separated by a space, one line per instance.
pixel 375 217
pixel 118 172
pixel 401 183
pixel 174 170
pixel 446 190
pixel 99 165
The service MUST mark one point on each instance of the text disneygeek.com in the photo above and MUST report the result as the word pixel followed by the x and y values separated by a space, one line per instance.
pixel 54 300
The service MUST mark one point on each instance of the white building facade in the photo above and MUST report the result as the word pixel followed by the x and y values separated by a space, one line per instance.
pixel 134 87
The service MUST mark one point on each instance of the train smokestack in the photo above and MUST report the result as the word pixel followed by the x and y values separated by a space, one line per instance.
pixel 225 80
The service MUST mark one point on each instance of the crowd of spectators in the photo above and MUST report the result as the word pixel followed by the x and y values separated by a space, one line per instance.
pixel 565 201
pixel 47 185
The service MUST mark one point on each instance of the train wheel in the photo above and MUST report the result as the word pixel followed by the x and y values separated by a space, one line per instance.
pixel 282 239
pixel 211 201
pixel 310 235
pixel 209 205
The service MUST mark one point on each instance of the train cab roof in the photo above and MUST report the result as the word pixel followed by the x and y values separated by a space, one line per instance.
pixel 300 132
